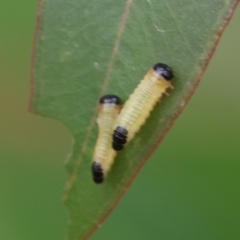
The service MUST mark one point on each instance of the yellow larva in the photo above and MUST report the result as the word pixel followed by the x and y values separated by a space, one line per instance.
pixel 140 103
pixel 104 154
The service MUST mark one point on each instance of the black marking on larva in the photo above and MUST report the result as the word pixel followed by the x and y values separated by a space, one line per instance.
pixel 116 146
pixel 163 70
pixel 97 172
pixel 119 138
pixel 110 98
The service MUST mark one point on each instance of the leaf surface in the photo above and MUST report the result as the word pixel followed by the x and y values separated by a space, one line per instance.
pixel 84 49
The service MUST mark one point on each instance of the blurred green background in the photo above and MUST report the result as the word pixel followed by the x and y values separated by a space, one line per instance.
pixel 188 190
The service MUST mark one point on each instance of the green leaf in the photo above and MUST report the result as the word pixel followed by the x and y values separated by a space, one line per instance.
pixel 85 49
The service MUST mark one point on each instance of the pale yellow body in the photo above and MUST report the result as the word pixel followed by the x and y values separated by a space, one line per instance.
pixel 141 102
pixel 103 153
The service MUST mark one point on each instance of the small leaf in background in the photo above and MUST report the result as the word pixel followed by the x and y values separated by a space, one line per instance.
pixel 85 49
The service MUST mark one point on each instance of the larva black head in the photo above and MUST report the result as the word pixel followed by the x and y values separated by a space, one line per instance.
pixel 116 146
pixel 110 98
pixel 119 138
pixel 164 70
pixel 122 130
pixel 97 172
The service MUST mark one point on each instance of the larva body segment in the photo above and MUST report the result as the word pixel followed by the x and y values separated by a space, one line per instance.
pixel 140 103
pixel 103 153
